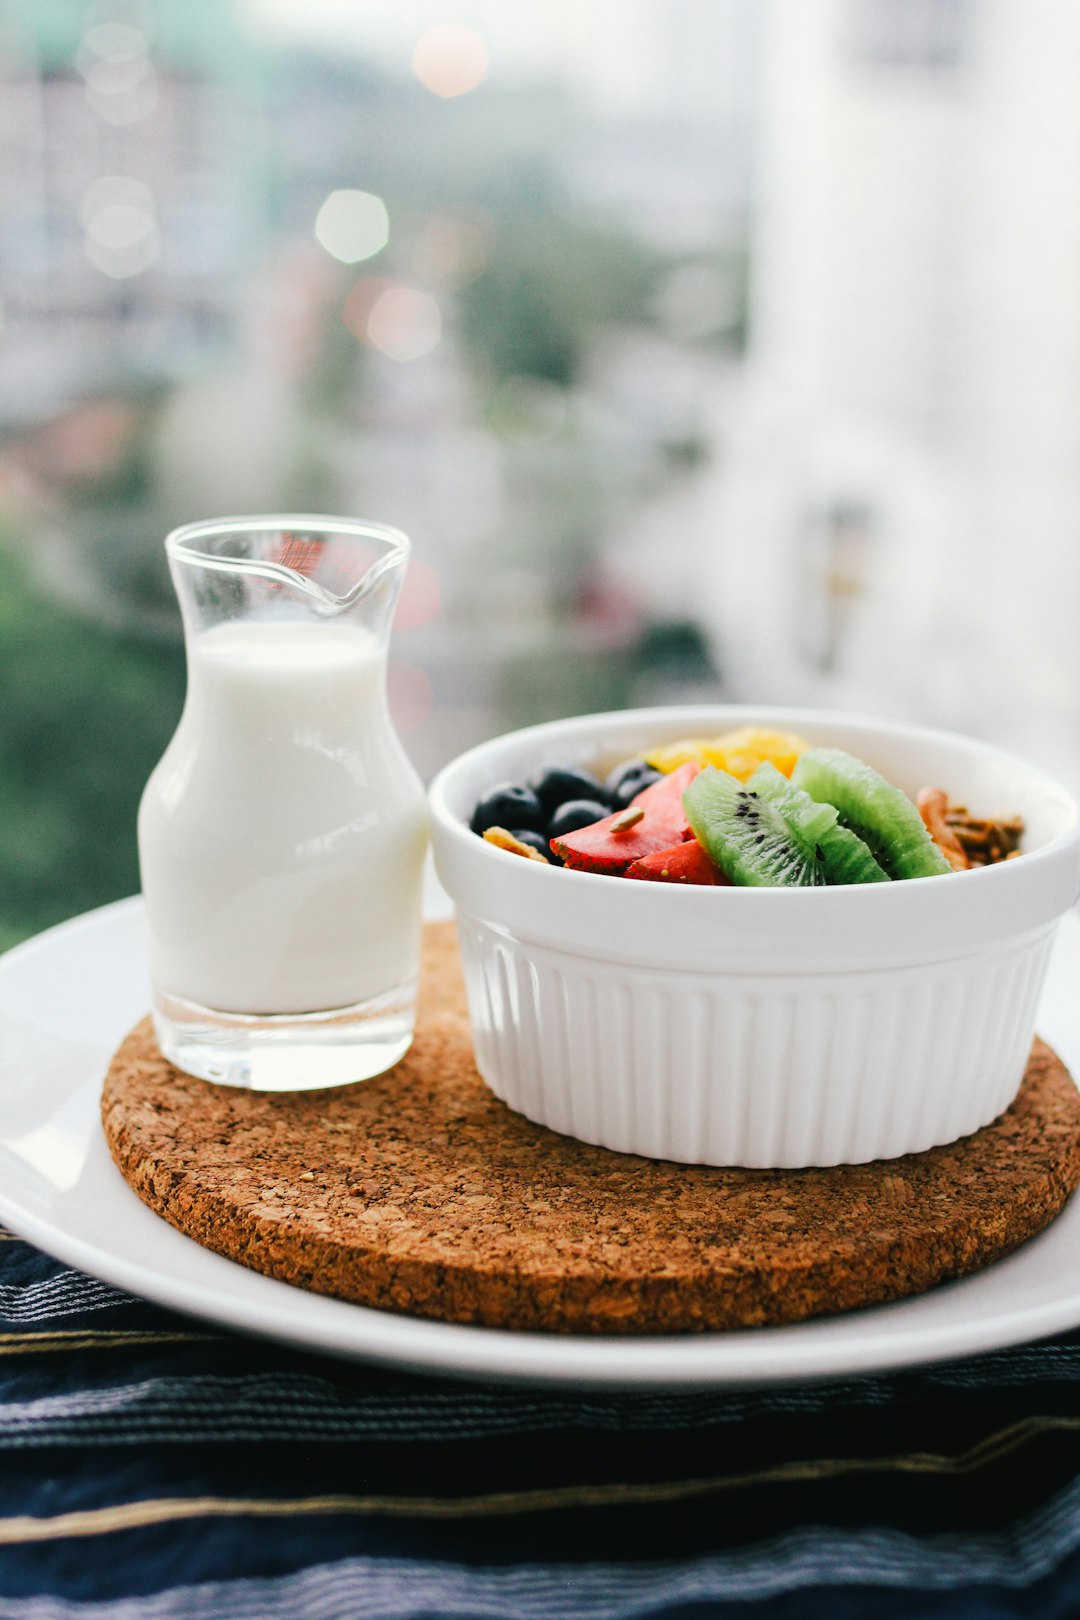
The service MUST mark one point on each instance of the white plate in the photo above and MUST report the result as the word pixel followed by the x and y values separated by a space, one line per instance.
pixel 68 997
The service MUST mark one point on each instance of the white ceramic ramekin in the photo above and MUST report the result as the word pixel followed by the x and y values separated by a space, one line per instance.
pixel 765 1027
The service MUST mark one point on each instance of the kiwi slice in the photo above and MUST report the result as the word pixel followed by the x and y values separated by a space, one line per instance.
pixel 843 856
pixel 745 835
pixel 869 806
pixel 763 833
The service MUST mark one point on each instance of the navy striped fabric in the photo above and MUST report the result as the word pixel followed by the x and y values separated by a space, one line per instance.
pixel 156 1467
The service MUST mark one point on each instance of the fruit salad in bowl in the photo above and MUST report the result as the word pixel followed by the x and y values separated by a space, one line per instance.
pixel 837 820
pixel 849 970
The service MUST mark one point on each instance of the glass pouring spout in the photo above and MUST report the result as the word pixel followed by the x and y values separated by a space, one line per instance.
pixel 291 567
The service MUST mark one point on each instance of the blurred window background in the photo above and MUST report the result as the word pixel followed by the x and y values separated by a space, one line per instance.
pixel 707 349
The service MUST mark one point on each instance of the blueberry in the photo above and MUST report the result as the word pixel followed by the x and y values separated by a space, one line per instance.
pixel 576 813
pixel 508 805
pixel 555 784
pixel 535 840
pixel 628 780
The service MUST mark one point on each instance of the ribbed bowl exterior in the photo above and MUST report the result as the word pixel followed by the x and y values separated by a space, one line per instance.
pixel 758 1070
pixel 765 1027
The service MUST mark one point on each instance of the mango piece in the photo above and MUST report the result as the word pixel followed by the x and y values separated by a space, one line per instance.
pixel 738 752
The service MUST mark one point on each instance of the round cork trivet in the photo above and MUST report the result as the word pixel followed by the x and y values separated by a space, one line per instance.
pixel 421 1192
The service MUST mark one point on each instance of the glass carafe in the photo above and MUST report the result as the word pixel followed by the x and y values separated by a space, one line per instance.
pixel 282 834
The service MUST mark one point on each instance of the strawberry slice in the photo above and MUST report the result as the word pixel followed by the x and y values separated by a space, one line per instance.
pixel 682 863
pixel 602 848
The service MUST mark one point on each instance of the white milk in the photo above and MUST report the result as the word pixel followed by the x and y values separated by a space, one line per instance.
pixel 282 835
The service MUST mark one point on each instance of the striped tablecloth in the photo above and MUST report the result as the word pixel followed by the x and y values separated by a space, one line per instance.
pixel 154 1467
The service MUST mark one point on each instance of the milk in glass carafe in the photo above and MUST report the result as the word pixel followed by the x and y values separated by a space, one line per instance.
pixel 282 834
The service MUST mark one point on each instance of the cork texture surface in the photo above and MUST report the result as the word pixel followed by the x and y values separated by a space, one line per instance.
pixel 420 1192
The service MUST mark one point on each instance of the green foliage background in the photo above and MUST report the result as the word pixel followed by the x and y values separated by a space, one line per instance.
pixel 85 716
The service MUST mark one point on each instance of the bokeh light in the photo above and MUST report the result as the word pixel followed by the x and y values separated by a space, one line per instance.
pixel 119 220
pixel 121 84
pixel 420 596
pixel 408 692
pixel 361 301
pixel 352 225
pixel 454 248
pixel 404 324
pixel 450 60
